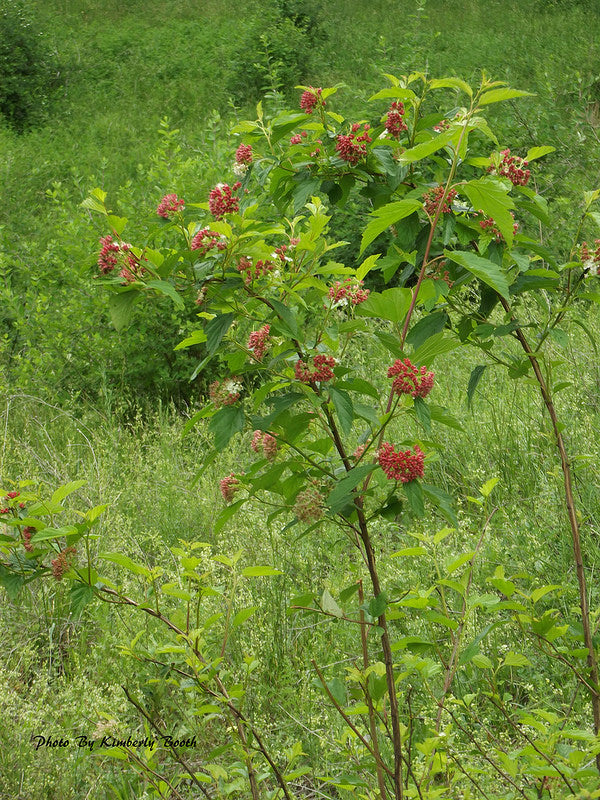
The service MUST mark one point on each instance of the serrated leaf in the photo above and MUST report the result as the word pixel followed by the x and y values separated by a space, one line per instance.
pixel 66 490
pixel 515 660
pixel 243 615
pixel 427 148
pixel 498 95
pixel 540 592
pixel 431 348
pixel 216 330
pixel 197 337
pixel 457 563
pixel 124 561
pixel 377 605
pixel 329 605
pixel 342 402
pixel 409 551
pixel 451 83
pixel 259 572
pixel 474 379
pixel 391 304
pixel 367 266
pixel 224 424
pixel 484 269
pixel 414 494
pixel 120 307
pixel 166 288
pixel 385 216
pixel 491 196
pixel 341 495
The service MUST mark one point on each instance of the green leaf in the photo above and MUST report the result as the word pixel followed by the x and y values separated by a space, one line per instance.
pixel 491 196
pixel 259 572
pixel 11 582
pixel 457 563
pixel 243 615
pixel 166 288
pixel 120 307
pixel 515 660
pixel 391 304
pixel 442 500
pixel 173 590
pixel 338 690
pixel 341 495
pixel 385 216
pixel 342 402
pixel 126 562
pixel 66 490
pixel 434 346
pixel 484 269
pixel 409 551
pixel 226 514
pixel 225 423
pixel 538 593
pixel 498 95
pixel 287 316
pixel 216 330
pixel 378 605
pixel 329 605
pixel 427 148
pixel 426 327
pixel 422 413
pixel 367 266
pixel 451 83
pixel 197 337
pixel 53 533
pixel 414 494
pixel 81 594
pixel 474 379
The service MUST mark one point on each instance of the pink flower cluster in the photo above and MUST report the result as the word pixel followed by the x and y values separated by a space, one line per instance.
pixel 322 370
pixel 265 442
pixel 297 137
pixel 433 197
pixel 112 252
pixel 229 486
pixel 394 123
pixel 591 258
pixel 309 505
pixel 443 125
pixel 513 168
pixel 348 292
pixel 243 155
pixel 221 200
pixel 62 562
pixel 258 341
pixel 352 147
pixel 28 532
pixel 408 379
pixel 251 271
pixel 225 393
pixel 310 99
pixel 404 466
pixel 170 204
pixel 206 239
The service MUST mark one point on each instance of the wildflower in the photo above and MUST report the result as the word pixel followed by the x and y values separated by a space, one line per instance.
pixel 243 155
pixel 253 271
pixel 12 495
pixel 4 510
pixel 408 379
pixel 322 370
pixel 28 532
pixel 489 224
pixel 394 123
pixel 309 505
pixel 348 292
pixel 258 341
pixel 352 148
pixel 229 486
pixel 296 139
pixel 513 168
pixel 404 466
pixel 433 197
pixel 205 239
pixel 107 260
pixel 442 125
pixel 590 258
pixel 265 442
pixel 170 204
pixel 225 393
pixel 62 562
pixel 221 200
pixel 310 99
pixel 359 452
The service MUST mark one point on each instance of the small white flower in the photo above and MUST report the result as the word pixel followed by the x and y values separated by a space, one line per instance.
pixel 240 169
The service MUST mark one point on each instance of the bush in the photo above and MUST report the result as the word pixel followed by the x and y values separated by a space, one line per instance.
pixel 28 70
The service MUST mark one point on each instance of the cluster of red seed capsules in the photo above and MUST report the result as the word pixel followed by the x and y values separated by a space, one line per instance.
pixel 205 240
pixel 591 258
pixel 321 372
pixel 348 292
pixel 258 341
pixel 352 147
pixel 394 121
pixel 252 272
pixel 222 200
pixel 512 167
pixel 432 199
pixel 225 393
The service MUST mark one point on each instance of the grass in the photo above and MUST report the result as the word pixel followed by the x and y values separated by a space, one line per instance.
pixel 126 67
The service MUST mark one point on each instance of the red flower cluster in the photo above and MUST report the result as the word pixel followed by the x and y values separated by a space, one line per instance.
pixel 7 498
pixel 229 486
pixel 591 258
pixel 443 125
pixel 225 393
pixel 513 168
pixel 352 148
pixel 221 200
pixel 408 379
pixel 322 370
pixel 311 99
pixel 243 155
pixel 403 466
pixel 265 442
pixel 205 240
pixel 348 292
pixel 309 505
pixel 107 260
pixel 62 562
pixel 394 123
pixel 112 252
pixel 253 271
pixel 170 204
pixel 489 224
pixel 258 341
pixel 12 495
pixel 297 137
pixel 433 197
pixel 27 534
